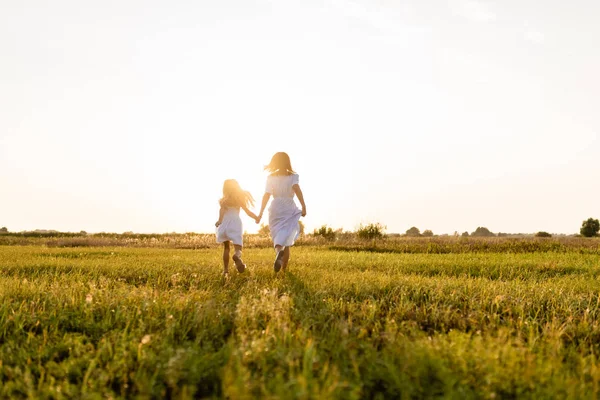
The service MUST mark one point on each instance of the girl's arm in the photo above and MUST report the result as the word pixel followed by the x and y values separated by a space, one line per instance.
pixel 300 196
pixel 249 213
pixel 265 201
pixel 221 214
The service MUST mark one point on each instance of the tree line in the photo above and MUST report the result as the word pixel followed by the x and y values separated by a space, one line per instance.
pixel 589 228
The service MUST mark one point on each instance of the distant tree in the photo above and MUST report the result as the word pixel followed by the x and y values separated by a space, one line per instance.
pixel 543 234
pixel 427 232
pixel 465 234
pixel 83 233
pixel 264 230
pixel 482 231
pixel 414 231
pixel 4 230
pixel 590 227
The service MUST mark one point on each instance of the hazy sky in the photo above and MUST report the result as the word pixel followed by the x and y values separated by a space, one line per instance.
pixel 445 115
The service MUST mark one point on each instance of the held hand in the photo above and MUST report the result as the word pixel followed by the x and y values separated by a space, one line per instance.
pixel 257 219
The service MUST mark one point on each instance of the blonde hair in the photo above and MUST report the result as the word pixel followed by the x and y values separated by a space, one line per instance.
pixel 235 196
pixel 280 162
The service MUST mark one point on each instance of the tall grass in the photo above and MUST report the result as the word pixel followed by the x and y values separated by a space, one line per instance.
pixel 110 322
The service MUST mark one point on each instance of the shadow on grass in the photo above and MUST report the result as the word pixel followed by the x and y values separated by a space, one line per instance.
pixel 188 349
pixel 354 346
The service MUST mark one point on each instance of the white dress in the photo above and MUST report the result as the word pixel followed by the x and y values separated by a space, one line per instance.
pixel 283 212
pixel 231 227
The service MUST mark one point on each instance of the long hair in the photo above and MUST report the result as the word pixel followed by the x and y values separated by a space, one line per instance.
pixel 281 164
pixel 235 196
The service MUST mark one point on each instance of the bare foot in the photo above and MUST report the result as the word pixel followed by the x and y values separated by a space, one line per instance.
pixel 278 261
pixel 239 264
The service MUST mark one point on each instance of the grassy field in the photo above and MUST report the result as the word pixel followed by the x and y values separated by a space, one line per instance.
pixel 397 319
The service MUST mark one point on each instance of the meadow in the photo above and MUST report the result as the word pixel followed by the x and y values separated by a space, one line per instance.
pixel 151 317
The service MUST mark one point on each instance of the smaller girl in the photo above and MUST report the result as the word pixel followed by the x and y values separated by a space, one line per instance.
pixel 229 225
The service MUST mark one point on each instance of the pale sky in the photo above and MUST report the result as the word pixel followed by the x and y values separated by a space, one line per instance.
pixel 446 115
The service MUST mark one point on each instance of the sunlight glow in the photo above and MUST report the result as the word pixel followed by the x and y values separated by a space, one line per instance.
pixel 129 116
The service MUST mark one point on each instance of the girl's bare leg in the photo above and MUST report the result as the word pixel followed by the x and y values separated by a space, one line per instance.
pixel 279 257
pixel 225 257
pixel 286 258
pixel 237 258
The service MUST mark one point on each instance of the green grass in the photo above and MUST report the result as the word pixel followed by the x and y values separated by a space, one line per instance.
pixel 120 322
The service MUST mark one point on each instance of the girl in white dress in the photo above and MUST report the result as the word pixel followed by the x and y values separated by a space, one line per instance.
pixel 229 225
pixel 282 184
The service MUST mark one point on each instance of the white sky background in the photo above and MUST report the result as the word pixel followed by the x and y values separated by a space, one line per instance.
pixel 128 115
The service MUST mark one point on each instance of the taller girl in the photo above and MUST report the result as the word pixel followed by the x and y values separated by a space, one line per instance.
pixel 282 184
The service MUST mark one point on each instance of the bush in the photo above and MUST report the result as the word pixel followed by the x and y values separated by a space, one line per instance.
pixel 4 230
pixel 590 227
pixel 264 230
pixel 371 231
pixel 543 234
pixel 414 231
pixel 326 232
pixel 465 234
